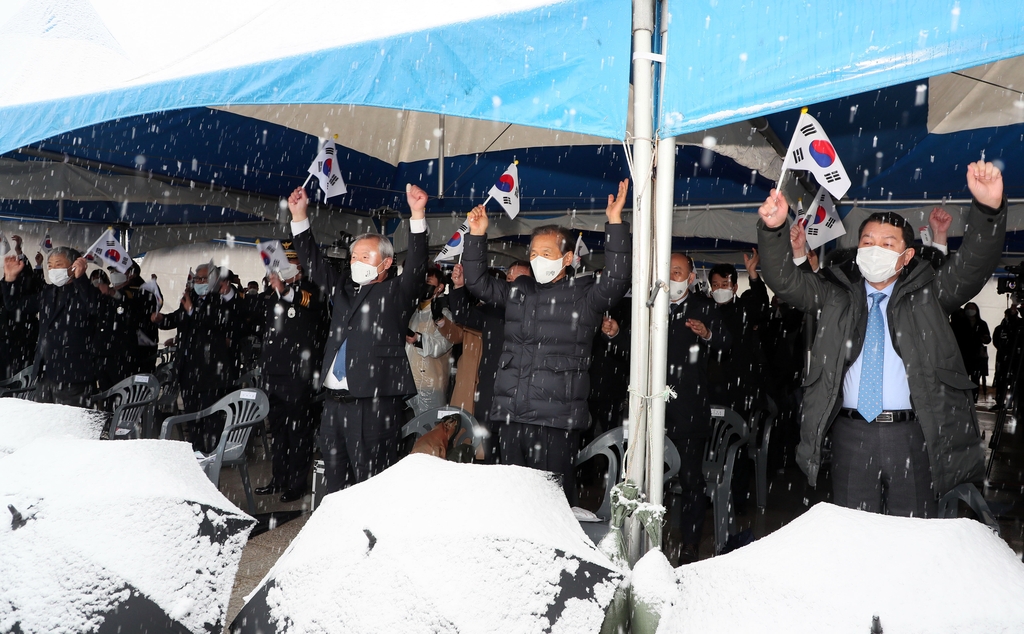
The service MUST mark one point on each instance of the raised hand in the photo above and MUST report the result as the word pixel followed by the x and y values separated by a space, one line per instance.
pixel 276 283
pixel 609 327
pixel 751 262
pixel 939 221
pixel 774 210
pixel 13 265
pixel 458 276
pixel 986 183
pixel 298 203
pixel 417 199
pixel 798 240
pixel 78 267
pixel 478 221
pixel 616 203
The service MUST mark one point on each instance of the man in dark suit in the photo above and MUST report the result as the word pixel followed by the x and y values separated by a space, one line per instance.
pixel 293 321
pixel 365 368
pixel 67 310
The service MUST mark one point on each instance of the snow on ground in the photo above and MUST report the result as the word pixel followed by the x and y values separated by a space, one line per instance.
pixel 832 569
pixel 100 516
pixel 434 546
pixel 21 422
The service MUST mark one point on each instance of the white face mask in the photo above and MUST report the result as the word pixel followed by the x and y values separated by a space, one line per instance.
pixel 201 289
pixel 722 295
pixel 363 273
pixel 545 270
pixel 117 279
pixel 59 277
pixel 971 312
pixel 877 264
pixel 677 290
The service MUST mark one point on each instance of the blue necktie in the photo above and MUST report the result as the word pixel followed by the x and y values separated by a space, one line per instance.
pixel 340 368
pixel 869 399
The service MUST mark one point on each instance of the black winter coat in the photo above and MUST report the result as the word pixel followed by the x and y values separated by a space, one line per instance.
pixel 67 325
pixel 373 319
pixel 19 330
pixel 206 358
pixel 738 376
pixel 549 333
pixel 293 332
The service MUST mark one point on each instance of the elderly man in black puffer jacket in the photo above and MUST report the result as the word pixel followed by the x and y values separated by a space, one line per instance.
pixel 540 394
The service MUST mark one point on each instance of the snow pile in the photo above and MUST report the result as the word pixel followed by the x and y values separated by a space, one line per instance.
pixel 21 422
pixel 434 546
pixel 103 518
pixel 653 581
pixel 832 569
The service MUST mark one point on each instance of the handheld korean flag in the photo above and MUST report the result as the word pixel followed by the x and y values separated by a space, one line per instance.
pixel 5 247
pixel 273 256
pixel 581 250
pixel 506 190
pixel 153 288
pixel 107 251
pixel 811 150
pixel 327 170
pixel 822 223
pixel 46 244
pixel 455 245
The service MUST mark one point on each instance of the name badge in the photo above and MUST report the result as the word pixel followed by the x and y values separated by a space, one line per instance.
pixel 291 312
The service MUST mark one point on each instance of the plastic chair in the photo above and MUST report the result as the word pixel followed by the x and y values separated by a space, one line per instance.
pixel 134 410
pixel 428 419
pixel 729 433
pixel 948 505
pixel 19 385
pixel 251 379
pixel 168 378
pixel 612 446
pixel 762 420
pixel 244 409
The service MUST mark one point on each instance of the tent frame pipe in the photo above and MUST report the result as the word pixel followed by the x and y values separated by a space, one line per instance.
pixel 643 155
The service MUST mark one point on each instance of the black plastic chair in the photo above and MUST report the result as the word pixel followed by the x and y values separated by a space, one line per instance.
pixel 949 504
pixel 19 385
pixel 468 426
pixel 762 419
pixel 244 409
pixel 729 433
pixel 134 407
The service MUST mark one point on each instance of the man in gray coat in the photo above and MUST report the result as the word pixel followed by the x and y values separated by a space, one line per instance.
pixel 886 378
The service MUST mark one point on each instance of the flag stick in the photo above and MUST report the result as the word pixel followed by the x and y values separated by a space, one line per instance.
pixel 460 257
pixel 308 178
pixel 489 199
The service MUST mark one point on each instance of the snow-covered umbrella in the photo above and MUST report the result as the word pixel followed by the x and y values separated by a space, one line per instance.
pixel 126 537
pixel 21 422
pixel 434 546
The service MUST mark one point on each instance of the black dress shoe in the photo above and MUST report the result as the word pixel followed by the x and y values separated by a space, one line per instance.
pixel 270 489
pixel 291 496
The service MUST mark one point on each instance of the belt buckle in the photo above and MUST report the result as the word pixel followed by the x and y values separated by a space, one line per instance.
pixel 884 417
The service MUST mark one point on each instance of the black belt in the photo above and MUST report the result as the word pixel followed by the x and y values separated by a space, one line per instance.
pixel 342 396
pixel 888 416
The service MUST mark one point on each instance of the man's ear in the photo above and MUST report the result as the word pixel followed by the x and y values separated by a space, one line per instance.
pixel 908 256
pixel 567 259
pixel 691 278
pixel 387 263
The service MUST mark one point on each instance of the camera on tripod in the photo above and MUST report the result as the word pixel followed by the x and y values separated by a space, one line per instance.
pixel 1012 285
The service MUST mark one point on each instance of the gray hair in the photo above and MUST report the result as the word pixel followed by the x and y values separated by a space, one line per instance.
pixel 384 246
pixel 67 252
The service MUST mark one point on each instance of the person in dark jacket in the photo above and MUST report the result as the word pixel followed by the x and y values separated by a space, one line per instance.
pixel 67 310
pixel 116 341
pixel 973 337
pixel 696 331
pixel 294 326
pixel 19 330
pixel 207 320
pixel 886 378
pixel 540 394
pixel 365 368
pixel 1009 351
pixel 145 300
pixel 609 374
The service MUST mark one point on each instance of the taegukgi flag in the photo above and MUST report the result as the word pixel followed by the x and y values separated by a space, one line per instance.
pixel 5 247
pixel 455 245
pixel 46 244
pixel 822 223
pixel 811 150
pixel 506 190
pixel 273 255
pixel 109 252
pixel 579 252
pixel 328 171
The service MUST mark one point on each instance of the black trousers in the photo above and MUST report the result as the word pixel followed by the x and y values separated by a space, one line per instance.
pixel 359 439
pixel 73 394
pixel 204 434
pixel 292 428
pixel 881 468
pixel 687 510
pixel 540 447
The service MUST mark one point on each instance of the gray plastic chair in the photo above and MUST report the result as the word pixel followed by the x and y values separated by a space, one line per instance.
pixel 949 507
pixel 134 409
pixel 729 433
pixel 428 420
pixel 612 446
pixel 252 379
pixel 244 409
pixel 19 385
pixel 168 378
pixel 757 447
